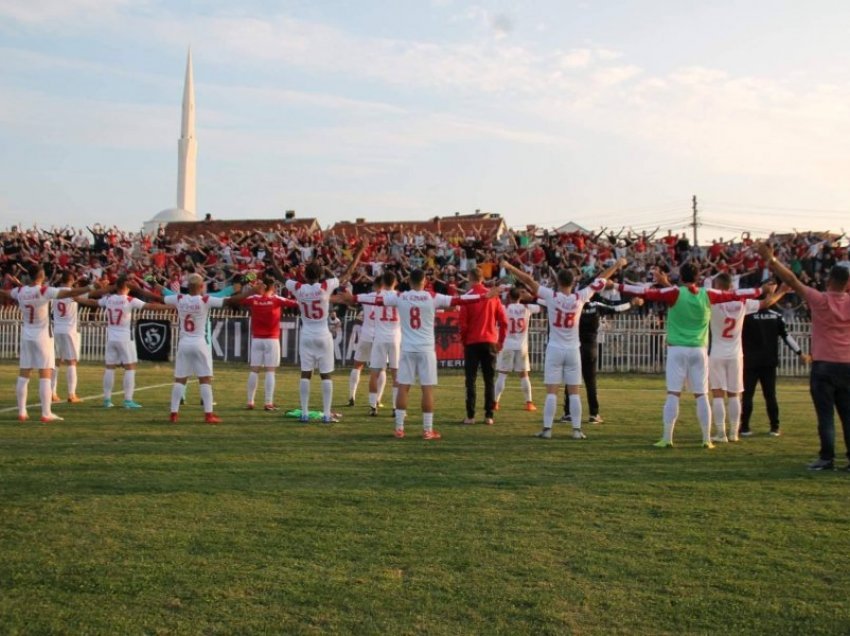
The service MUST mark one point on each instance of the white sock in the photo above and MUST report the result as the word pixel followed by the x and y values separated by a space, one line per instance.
pixel 269 387
pixel 183 391
pixel 129 384
pixel 395 395
pixel 734 416
pixel 304 395
pixel 373 400
pixel 382 382
pixel 21 393
pixel 177 390
pixel 45 393
pixel 207 398
pixel 353 382
pixel 671 414
pixel 108 383
pixel 719 412
pixel 400 414
pixel 54 380
pixel 704 417
pixel 72 379
pixel 575 410
pixel 500 385
pixel 327 396
pixel 549 407
pixel 253 380
pixel 427 422
pixel 525 385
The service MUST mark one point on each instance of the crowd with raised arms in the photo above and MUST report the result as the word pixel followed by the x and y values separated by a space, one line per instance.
pixel 405 278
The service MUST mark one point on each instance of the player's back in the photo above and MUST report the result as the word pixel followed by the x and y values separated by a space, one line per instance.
pixel 727 325
pixel 564 312
pixel 314 304
pixel 192 315
pixel 518 315
pixel 65 315
pixel 119 315
pixel 35 311
pixel 265 315
pixel 416 309
pixel 387 324
pixel 367 329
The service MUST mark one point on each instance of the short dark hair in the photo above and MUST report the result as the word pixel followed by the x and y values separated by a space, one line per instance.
pixel 723 280
pixel 474 275
pixel 839 275
pixel 313 272
pixel 688 273
pixel 565 278
pixel 388 279
pixel 513 293
pixel 35 271
pixel 268 281
pixel 417 276
pixel 121 282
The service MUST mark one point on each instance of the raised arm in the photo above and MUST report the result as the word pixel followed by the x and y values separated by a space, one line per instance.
pixel 608 273
pixel 783 273
pixel 346 275
pixel 522 277
pixel 237 299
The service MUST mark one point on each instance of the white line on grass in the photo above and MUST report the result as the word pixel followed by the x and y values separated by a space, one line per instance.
pixel 99 396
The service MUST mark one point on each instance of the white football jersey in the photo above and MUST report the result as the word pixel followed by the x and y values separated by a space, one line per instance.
pixel 387 323
pixel 416 311
pixel 313 304
pixel 564 311
pixel 727 324
pixel 119 316
pixel 518 315
pixel 65 315
pixel 34 302
pixel 192 315
pixel 367 329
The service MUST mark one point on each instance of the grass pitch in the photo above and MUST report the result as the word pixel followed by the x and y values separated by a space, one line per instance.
pixel 117 522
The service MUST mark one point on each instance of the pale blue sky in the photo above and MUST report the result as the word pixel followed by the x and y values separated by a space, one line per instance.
pixel 601 112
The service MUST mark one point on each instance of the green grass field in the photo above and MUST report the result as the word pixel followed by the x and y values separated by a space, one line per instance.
pixel 116 522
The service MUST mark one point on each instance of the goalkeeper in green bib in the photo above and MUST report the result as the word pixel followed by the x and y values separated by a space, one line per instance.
pixel 688 318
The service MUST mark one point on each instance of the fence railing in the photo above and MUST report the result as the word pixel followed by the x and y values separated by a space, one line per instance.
pixel 627 343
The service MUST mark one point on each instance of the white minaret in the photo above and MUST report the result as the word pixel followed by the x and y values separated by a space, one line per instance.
pixel 187 157
pixel 187 147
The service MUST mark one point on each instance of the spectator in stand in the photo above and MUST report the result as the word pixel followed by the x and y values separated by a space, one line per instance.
pixel 483 328
pixel 830 375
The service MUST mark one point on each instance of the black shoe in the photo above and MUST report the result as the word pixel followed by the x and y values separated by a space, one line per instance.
pixel 350 401
pixel 566 418
pixel 774 432
pixel 393 415
pixel 595 419
pixel 822 464
pixel 745 432
pixel 373 412
pixel 183 401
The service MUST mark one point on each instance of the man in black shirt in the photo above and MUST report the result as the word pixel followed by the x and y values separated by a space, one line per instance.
pixel 761 357
pixel 588 335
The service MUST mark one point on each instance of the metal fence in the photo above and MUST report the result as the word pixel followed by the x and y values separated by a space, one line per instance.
pixel 627 343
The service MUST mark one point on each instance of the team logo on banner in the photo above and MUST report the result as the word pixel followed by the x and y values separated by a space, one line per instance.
pixel 153 341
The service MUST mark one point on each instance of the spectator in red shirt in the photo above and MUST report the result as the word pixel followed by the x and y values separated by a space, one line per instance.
pixel 483 327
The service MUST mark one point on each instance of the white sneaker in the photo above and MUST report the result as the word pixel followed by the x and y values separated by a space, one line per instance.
pixel 720 439
pixel 577 434
pixel 52 418
pixel 546 433
pixel 733 438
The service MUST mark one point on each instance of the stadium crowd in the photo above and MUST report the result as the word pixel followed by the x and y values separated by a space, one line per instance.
pixel 229 258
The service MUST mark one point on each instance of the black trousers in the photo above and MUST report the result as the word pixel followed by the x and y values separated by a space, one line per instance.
pixel 766 376
pixel 480 354
pixel 589 362
pixel 829 385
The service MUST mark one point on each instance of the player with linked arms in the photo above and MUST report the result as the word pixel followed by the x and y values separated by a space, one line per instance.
pixel 562 365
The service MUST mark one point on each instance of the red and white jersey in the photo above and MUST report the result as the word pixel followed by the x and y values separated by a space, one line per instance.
pixel 387 322
pixel 564 311
pixel 265 314
pixel 192 315
pixel 119 316
pixel 367 329
pixel 65 315
pixel 727 323
pixel 314 304
pixel 416 311
pixel 518 315
pixel 34 302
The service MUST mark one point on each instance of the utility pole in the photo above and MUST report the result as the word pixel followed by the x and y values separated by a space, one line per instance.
pixel 695 221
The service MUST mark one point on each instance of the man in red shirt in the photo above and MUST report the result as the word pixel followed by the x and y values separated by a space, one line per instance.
pixel 483 327
pixel 265 307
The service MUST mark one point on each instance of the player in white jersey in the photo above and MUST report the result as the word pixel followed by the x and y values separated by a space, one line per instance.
pixel 315 344
pixel 514 354
pixel 119 308
pixel 36 340
pixel 387 344
pixel 66 334
pixel 363 353
pixel 562 364
pixel 416 309
pixel 194 356
pixel 726 356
